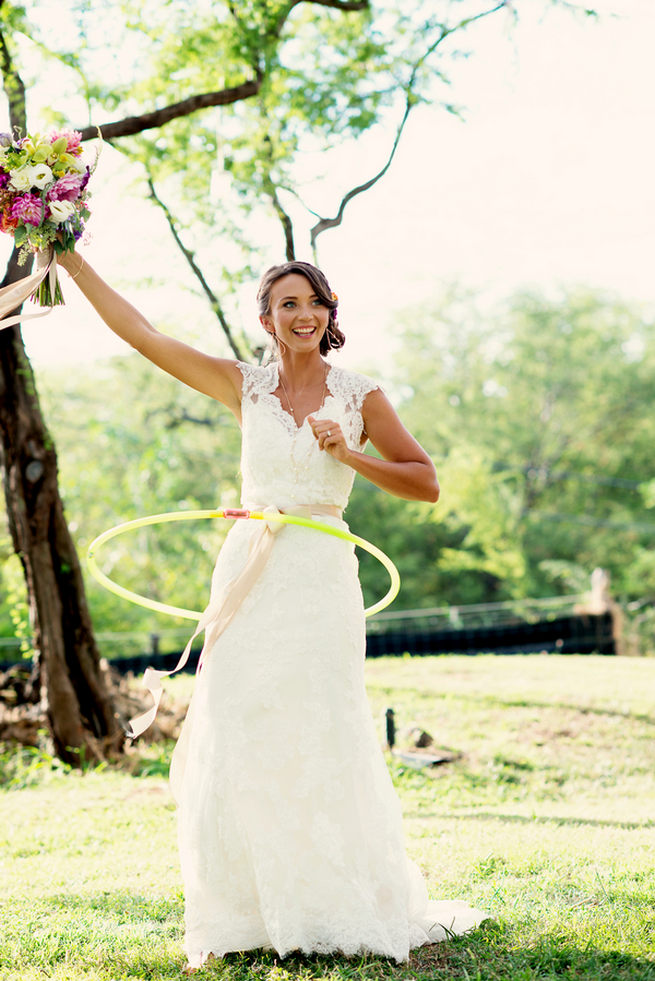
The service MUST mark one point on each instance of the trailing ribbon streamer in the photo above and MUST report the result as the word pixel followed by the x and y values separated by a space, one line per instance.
pixel 220 611
pixel 17 293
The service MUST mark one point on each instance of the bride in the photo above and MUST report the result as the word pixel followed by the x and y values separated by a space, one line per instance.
pixel 290 831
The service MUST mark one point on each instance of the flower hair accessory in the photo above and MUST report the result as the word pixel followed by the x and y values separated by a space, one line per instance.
pixel 334 296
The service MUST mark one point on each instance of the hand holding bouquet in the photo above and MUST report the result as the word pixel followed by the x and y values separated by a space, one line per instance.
pixel 43 204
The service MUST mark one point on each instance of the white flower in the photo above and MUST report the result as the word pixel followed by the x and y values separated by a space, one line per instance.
pixel 41 175
pixel 60 211
pixel 21 178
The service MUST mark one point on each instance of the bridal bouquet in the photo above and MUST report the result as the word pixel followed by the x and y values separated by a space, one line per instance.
pixel 43 197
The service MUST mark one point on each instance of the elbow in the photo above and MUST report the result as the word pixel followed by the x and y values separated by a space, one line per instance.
pixel 429 489
pixel 432 489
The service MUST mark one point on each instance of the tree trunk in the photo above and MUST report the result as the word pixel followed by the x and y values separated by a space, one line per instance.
pixel 73 689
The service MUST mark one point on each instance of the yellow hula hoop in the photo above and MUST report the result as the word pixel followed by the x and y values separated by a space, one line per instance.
pixel 287 519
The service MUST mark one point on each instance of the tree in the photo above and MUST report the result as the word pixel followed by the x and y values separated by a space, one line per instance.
pixel 282 72
pixel 78 704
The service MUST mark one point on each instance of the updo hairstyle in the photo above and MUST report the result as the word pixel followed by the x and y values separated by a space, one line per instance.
pixel 333 338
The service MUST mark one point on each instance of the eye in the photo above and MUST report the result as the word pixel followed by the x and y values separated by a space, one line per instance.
pixel 288 303
pixel 318 303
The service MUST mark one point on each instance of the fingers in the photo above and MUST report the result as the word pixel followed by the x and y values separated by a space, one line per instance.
pixel 327 432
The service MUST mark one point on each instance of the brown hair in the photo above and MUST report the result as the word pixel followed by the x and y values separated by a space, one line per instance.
pixel 333 338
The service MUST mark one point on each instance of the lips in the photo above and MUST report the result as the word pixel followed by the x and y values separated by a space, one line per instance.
pixel 304 331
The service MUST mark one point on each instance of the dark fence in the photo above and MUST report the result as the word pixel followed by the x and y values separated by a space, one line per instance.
pixel 574 634
pixel 522 627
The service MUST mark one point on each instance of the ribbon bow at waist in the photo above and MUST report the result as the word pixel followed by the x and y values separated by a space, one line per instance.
pixel 221 610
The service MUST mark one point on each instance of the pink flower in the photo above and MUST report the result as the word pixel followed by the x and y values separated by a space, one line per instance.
pixel 27 208
pixel 67 188
pixel 73 138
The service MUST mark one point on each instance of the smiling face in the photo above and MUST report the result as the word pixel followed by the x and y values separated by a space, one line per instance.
pixel 296 315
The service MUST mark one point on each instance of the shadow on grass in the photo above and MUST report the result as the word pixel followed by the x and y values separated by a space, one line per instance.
pixel 134 938
pixel 492 953
pixel 497 700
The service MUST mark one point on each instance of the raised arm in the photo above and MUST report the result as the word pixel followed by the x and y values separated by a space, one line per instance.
pixel 219 378
pixel 405 470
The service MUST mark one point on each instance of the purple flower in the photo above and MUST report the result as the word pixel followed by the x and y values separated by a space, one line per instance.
pixel 67 188
pixel 27 208
pixel 4 178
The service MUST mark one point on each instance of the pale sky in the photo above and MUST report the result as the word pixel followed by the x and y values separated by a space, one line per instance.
pixel 548 183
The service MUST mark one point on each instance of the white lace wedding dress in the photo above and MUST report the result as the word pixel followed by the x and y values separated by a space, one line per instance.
pixel 289 827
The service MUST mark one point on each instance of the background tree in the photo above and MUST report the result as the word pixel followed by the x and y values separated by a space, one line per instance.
pixel 539 416
pixel 67 676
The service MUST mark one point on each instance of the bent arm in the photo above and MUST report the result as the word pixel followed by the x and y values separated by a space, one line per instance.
pixel 220 378
pixel 405 470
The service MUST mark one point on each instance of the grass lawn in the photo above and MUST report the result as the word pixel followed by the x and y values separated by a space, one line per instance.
pixel 546 819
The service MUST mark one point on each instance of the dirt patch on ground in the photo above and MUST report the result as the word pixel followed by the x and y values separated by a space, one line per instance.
pixel 23 716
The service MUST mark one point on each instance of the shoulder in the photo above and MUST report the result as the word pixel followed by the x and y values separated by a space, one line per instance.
pixel 257 378
pixel 351 386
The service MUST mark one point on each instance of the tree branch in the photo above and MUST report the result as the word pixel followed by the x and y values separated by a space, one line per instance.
pixel 15 92
pixel 197 272
pixel 345 5
pixel 223 97
pixel 340 4
pixel 285 220
pixel 271 189
pixel 324 223
pixel 159 117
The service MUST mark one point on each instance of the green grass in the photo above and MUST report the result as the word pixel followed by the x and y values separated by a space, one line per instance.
pixel 547 819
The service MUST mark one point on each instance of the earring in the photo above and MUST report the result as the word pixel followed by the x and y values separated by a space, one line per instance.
pixel 332 341
pixel 277 345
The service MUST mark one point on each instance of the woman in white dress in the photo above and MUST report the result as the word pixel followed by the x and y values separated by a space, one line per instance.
pixel 289 827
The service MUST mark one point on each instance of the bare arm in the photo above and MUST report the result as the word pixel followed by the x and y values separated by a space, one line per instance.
pixel 405 470
pixel 219 378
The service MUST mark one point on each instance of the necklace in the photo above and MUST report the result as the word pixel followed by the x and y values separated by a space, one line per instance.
pixel 286 394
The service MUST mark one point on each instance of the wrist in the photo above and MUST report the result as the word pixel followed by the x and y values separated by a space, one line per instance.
pixel 349 457
pixel 72 262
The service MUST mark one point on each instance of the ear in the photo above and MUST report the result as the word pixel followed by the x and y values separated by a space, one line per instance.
pixel 267 324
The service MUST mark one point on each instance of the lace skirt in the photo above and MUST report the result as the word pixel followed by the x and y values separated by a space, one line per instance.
pixel 289 827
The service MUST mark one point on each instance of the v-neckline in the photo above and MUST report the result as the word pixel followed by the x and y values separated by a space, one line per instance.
pixel 288 415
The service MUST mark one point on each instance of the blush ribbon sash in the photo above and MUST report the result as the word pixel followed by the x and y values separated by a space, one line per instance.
pixel 221 610
pixel 17 293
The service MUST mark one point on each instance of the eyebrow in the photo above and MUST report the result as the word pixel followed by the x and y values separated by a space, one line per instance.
pixel 312 297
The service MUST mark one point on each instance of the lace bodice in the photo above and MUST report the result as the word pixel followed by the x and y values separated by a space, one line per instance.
pixel 281 463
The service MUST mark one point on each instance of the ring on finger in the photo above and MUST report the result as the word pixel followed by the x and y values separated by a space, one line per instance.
pixel 329 432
